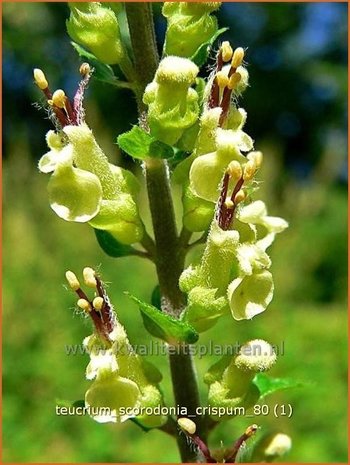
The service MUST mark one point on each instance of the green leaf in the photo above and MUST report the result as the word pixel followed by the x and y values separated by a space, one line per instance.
pixel 155 298
pixel 140 145
pixel 111 246
pixel 202 53
pixel 102 72
pixel 152 373
pixel 140 425
pixel 164 326
pixel 267 385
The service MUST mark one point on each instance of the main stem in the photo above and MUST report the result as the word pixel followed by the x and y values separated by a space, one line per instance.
pixel 170 253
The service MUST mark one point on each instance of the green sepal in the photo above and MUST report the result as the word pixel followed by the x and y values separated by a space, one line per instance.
pixel 268 385
pixel 140 145
pixel 112 246
pixel 164 326
pixel 202 53
pixel 102 72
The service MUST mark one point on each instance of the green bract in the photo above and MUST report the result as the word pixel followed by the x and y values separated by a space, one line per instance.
pixel 120 381
pixel 84 187
pixel 172 103
pixel 96 27
pixel 189 26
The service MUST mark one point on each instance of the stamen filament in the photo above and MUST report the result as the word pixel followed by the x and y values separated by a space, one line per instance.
pixel 249 432
pixel 215 90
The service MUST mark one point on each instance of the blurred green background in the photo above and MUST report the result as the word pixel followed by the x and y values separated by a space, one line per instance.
pixel 297 55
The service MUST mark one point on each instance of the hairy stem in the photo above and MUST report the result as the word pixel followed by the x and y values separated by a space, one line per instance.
pixel 170 254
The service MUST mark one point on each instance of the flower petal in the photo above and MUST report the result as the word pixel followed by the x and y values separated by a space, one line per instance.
pixel 250 295
pixel 54 158
pixel 251 258
pixel 74 194
pixel 108 395
pixel 274 224
pixel 253 213
pixel 102 360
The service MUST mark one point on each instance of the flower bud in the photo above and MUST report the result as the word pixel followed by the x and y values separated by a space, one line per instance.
pixel 230 379
pixel 96 27
pixel 172 103
pixel 176 71
pixel 189 26
pixel 256 355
